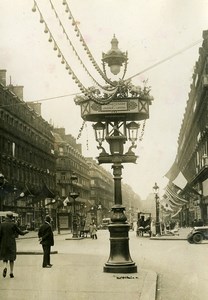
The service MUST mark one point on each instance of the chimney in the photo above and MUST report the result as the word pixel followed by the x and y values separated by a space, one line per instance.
pixel 60 131
pixel 3 77
pixel 36 107
pixel 17 90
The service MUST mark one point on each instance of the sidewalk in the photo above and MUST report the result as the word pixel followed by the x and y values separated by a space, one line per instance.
pixel 75 276
pixel 181 235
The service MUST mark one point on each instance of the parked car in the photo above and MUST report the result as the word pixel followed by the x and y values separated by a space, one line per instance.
pixel 198 234
pixel 105 223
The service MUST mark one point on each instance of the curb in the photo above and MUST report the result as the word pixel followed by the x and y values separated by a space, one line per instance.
pixel 34 252
pixel 167 239
pixel 36 237
pixel 149 290
pixel 75 239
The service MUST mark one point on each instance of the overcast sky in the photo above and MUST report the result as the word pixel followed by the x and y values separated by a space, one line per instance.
pixel 150 30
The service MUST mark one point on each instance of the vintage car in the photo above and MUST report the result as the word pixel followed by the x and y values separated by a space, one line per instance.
pixel 197 235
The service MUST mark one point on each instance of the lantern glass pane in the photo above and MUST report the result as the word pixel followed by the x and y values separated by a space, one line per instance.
pixel 99 132
pixel 115 69
pixel 133 131
pixel 100 135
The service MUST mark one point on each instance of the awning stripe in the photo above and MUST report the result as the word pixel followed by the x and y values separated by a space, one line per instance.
pixel 174 195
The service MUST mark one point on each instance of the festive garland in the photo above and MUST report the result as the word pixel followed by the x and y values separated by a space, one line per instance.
pixel 81 39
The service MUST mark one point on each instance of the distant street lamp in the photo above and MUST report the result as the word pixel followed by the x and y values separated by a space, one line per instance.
pixel 114 114
pixel 74 196
pixel 157 203
pixel 15 198
pixel 2 183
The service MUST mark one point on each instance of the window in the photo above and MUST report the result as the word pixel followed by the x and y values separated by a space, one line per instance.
pixel 61 151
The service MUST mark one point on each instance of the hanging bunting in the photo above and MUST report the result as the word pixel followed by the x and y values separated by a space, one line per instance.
pixel 142 132
pixel 50 39
pixel 80 130
pixel 41 19
pixel 34 7
pixel 74 23
pixel 46 28
pixel 55 47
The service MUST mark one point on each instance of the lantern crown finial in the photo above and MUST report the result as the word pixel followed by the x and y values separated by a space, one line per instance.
pixel 114 57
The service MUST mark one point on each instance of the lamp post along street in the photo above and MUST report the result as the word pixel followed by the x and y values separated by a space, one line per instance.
pixel 157 204
pixel 74 196
pixel 2 182
pixel 114 114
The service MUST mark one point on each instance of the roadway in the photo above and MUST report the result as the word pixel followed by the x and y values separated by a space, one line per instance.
pixel 181 267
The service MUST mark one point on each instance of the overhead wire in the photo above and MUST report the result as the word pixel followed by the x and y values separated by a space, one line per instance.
pixel 60 54
pixel 156 64
pixel 137 74
pixel 164 60
pixel 75 51
pixel 86 48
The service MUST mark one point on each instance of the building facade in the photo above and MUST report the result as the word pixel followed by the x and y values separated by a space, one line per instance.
pixel 70 161
pixel 191 162
pixel 27 158
pixel 101 191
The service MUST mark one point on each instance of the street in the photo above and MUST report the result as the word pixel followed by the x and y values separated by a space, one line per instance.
pixel 181 268
pixel 182 273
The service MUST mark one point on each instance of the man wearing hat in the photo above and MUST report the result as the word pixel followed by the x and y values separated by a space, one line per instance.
pixel 46 238
pixel 8 232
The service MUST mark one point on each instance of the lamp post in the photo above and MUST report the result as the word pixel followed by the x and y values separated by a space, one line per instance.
pixel 74 196
pixel 114 114
pixel 2 182
pixel 15 200
pixel 157 203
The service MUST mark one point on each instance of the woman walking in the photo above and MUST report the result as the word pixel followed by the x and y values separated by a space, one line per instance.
pixel 8 232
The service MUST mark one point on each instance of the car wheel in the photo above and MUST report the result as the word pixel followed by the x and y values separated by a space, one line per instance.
pixel 190 240
pixel 197 238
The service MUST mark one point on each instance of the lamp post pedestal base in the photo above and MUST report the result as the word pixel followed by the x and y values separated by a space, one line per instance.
pixel 119 260
pixel 157 229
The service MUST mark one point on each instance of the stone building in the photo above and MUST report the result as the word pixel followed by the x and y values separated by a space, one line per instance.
pixel 101 191
pixel 27 158
pixel 190 169
pixel 70 161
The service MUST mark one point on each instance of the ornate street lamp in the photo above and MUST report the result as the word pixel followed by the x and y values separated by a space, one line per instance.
pixel 114 57
pixel 74 195
pixel 115 114
pixel 157 203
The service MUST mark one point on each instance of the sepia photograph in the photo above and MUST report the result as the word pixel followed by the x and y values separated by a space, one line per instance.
pixel 103 149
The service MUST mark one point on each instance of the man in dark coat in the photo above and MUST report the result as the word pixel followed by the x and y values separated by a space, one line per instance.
pixel 8 231
pixel 46 238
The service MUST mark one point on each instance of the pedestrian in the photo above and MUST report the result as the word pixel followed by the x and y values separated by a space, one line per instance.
pixel 46 239
pixel 91 229
pixel 94 232
pixel 8 231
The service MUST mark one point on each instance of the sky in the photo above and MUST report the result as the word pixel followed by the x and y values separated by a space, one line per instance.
pixel 151 31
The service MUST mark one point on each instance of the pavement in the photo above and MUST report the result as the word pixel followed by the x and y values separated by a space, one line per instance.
pixel 181 234
pixel 74 276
